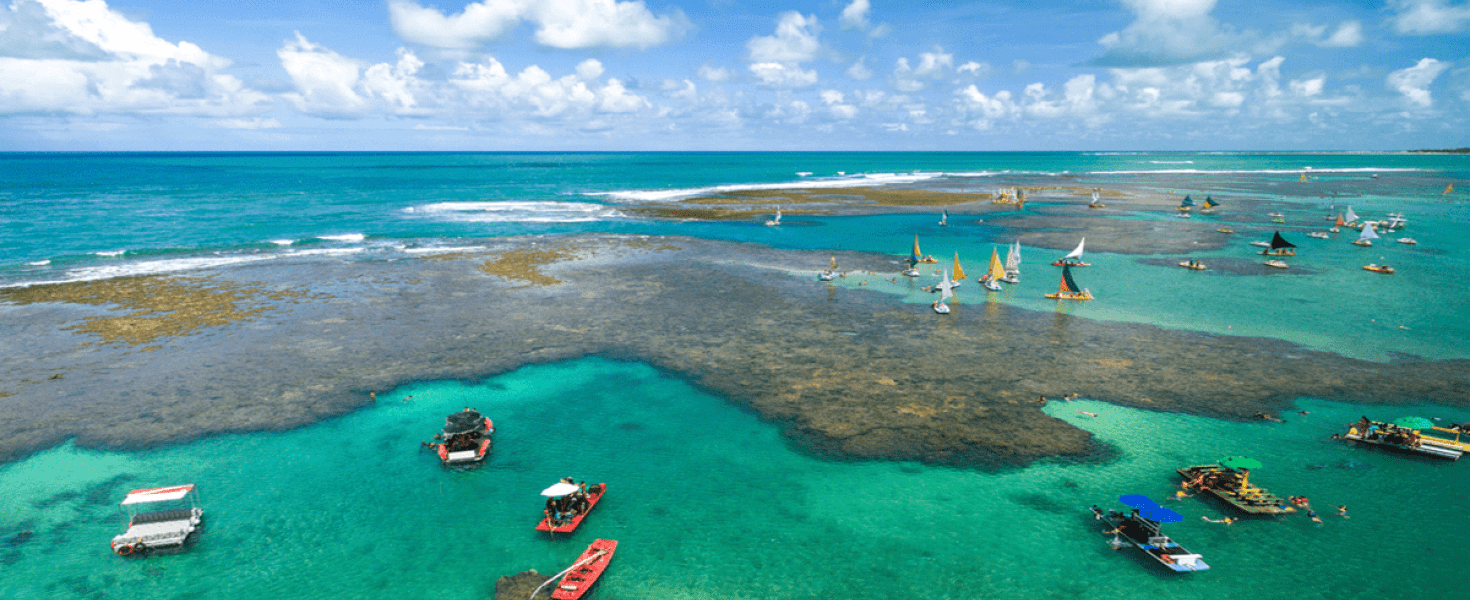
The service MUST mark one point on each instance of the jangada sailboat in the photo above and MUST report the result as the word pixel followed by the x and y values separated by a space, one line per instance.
pixel 944 220
pixel 991 279
pixel 1210 205
pixel 1068 289
pixel 959 274
pixel 1013 264
pixel 1279 247
pixel 913 260
pixel 775 221
pixel 1186 205
pixel 1366 237
pixel 1350 218
pixel 921 258
pixel 1073 258
pixel 1096 203
pixel 945 287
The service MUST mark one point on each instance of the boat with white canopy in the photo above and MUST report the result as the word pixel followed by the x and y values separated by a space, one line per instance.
pixel 157 518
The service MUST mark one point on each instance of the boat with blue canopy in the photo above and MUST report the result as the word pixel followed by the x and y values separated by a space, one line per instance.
pixel 1142 530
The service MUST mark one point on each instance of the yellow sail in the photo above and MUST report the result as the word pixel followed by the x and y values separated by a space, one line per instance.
pixel 1449 188
pixel 996 271
pixel 959 273
pixel 917 254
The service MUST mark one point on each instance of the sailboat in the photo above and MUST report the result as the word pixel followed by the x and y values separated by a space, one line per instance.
pixel 991 279
pixel 913 260
pixel 1096 203
pixel 944 218
pixel 776 221
pixel 830 273
pixel 945 288
pixel 959 274
pixel 1367 236
pixel 1013 264
pixel 1337 225
pixel 1447 189
pixel 1185 205
pixel 1279 247
pixel 1350 218
pixel 921 258
pixel 1068 289
pixel 1210 205
pixel 1074 254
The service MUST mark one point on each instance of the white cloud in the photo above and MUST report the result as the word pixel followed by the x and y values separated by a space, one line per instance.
pixel 589 69
pixel 1428 17
pixel 860 71
pixel 1349 34
pixel 715 74
pixel 616 99
pixel 974 69
pixel 855 15
pixel 932 65
pixel 1170 32
pixel 255 123
pixel 684 90
pixel 795 40
pixel 783 75
pixel 1308 87
pixel 325 81
pixel 1414 81
pixel 82 57
pixel 563 24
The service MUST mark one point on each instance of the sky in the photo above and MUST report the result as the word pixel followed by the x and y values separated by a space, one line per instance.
pixel 647 75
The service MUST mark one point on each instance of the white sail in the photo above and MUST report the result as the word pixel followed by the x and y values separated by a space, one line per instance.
pixel 778 214
pixel 1094 198
pixel 1077 254
pixel 1349 216
pixel 1013 258
pixel 1368 233
pixel 945 286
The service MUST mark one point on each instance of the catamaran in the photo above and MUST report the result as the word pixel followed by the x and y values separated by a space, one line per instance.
pixel 1229 480
pixel 1068 289
pixel 1013 264
pixel 1075 257
pixel 991 279
pixel 1366 237
pixel 173 516
pixel 1142 529
pixel 1279 247
pixel 775 221
pixel 1403 435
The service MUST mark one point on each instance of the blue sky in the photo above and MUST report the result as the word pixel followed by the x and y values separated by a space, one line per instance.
pixel 727 75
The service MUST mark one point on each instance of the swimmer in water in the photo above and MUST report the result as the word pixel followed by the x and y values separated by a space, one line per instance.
pixel 1090 414
pixel 1226 520
pixel 1315 519
pixel 1342 511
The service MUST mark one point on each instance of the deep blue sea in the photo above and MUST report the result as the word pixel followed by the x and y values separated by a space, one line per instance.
pixel 708 501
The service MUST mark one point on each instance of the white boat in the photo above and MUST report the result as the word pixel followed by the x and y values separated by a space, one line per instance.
pixel 1073 258
pixel 1321 235
pixel 1406 240
pixel 158 517
pixel 1396 221
pixel 1143 530
pixel 945 287
pixel 1275 215
pixel 1013 264
pixel 775 221
pixel 1276 264
pixel 1261 244
pixel 830 273
pixel 1366 237
pixel 1335 230
pixel 1183 215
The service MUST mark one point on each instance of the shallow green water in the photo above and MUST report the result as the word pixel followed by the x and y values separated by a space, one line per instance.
pixel 709 502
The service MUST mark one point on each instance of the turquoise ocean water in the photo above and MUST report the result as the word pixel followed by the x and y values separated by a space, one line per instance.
pixel 708 501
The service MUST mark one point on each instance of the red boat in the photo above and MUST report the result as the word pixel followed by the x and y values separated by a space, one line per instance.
pixel 466 437
pixel 585 571
pixel 594 493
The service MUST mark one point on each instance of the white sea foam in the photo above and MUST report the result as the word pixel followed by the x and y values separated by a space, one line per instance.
pixel 39 263
pixel 803 173
pixel 444 250
pixel 110 253
pixel 864 180
pixel 324 252
pixel 1255 171
pixel 517 212
pixel 345 237
pixel 153 267
pixel 283 242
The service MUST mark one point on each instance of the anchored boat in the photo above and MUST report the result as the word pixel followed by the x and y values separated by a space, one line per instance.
pixel 1366 237
pixel 466 438
pixel 1068 289
pixel 567 505
pixel 157 518
pixel 1073 258
pixel 1404 435
pixel 1143 530
pixel 994 274
pixel 1229 480
pixel 578 578
pixel 1279 247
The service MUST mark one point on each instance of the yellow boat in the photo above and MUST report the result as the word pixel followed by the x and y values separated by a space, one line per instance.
pixel 1193 264
pixel 1377 268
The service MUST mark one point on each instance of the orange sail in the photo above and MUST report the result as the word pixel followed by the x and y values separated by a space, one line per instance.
pixel 1340 222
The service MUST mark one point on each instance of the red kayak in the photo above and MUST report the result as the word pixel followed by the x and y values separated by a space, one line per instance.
pixel 594 493
pixel 585 571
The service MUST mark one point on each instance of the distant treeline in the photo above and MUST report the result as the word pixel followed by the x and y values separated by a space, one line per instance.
pixel 1446 151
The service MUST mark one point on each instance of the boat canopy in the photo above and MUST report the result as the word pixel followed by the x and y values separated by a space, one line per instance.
pixel 1077 253
pixel 1138 501
pixel 163 494
pixel 464 421
pixel 1278 242
pixel 1160 514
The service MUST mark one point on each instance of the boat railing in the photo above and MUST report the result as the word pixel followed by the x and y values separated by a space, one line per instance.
pixel 160 516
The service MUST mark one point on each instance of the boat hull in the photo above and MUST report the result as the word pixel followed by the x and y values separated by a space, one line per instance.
pixel 1070 296
pixel 1424 449
pixel 1071 264
pixel 1255 501
pixel 576 583
pixel 594 494
pixel 1160 548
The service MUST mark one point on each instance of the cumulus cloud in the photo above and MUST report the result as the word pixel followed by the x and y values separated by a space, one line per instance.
pixel 563 24
pixel 931 66
pixel 1349 34
pixel 795 40
pixel 1429 17
pixel 859 71
pixel 82 57
pixel 855 15
pixel 1171 32
pixel 1414 81
pixel 255 123
pixel 783 75
pixel 715 74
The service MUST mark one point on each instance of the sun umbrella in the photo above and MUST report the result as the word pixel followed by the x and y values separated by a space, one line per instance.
pixel 1413 422
pixel 1161 514
pixel 560 489
pixel 1240 462
pixel 1138 501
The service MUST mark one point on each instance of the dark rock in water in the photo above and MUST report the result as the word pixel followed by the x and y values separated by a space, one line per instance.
pixel 519 587
pixel 20 538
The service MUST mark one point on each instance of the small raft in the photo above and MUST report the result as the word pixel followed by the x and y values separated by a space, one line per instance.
pixel 585 571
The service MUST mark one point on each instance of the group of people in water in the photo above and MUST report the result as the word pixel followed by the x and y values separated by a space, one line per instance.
pixel 1385 432
pixel 562 509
